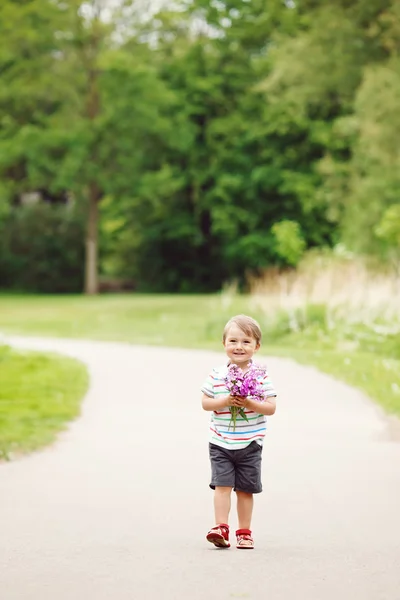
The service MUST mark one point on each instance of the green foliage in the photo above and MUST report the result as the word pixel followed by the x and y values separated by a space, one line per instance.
pixel 198 131
pixel 41 249
pixel 389 227
pixel 340 75
pixel 203 214
pixel 375 166
pixel 290 244
pixel 388 231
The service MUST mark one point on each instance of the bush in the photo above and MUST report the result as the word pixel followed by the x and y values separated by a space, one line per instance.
pixel 42 249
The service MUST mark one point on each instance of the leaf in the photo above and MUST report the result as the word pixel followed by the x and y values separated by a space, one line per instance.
pixel 234 412
pixel 243 414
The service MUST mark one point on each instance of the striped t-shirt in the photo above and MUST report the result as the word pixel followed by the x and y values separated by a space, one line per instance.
pixel 221 428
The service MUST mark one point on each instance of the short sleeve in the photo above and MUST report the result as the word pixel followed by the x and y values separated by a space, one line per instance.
pixel 208 386
pixel 267 386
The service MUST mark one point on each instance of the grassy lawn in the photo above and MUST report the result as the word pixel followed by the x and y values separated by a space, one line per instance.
pixel 39 395
pixel 196 322
pixel 375 375
pixel 169 320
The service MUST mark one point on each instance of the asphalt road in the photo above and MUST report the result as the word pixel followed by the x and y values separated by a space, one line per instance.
pixel 118 508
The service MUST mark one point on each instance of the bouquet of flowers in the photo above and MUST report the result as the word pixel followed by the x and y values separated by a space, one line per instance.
pixel 245 384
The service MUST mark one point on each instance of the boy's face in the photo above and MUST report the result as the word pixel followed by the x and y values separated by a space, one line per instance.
pixel 239 346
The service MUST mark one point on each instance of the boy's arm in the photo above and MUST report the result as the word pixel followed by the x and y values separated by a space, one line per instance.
pixel 215 403
pixel 265 407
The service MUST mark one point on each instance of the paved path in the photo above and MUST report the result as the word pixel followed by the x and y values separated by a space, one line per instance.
pixel 118 508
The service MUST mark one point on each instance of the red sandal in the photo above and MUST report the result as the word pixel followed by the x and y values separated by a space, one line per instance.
pixel 219 536
pixel 244 541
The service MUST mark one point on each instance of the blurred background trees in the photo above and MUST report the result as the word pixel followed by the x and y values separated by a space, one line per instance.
pixel 201 144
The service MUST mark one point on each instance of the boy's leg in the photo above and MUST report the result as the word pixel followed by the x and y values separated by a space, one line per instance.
pixel 219 534
pixel 247 483
pixel 222 504
pixel 245 504
pixel 222 482
pixel 244 539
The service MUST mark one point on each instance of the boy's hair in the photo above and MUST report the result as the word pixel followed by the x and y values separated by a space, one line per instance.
pixel 247 324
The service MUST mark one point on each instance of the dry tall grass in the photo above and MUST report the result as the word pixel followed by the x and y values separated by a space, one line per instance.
pixel 349 290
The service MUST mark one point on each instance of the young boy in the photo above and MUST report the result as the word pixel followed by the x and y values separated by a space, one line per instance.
pixel 235 453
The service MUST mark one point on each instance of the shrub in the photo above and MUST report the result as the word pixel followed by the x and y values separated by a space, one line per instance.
pixel 42 249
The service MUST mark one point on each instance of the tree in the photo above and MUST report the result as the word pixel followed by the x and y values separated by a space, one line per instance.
pixel 233 175
pixel 339 74
pixel 212 139
pixel 73 90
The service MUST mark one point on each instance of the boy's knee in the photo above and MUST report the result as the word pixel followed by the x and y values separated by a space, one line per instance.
pixel 223 489
pixel 243 494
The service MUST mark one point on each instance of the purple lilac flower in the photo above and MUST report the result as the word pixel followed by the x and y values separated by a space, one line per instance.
pixel 244 384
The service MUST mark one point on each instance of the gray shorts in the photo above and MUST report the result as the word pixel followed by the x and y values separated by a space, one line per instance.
pixel 239 469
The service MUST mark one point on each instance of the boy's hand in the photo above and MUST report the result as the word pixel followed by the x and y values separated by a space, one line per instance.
pixel 230 400
pixel 239 401
pixel 233 400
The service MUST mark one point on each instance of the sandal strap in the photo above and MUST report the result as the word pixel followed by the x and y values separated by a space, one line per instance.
pixel 220 526
pixel 244 539
pixel 243 542
pixel 244 532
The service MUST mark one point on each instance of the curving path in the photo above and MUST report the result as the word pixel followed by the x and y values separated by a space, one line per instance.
pixel 118 508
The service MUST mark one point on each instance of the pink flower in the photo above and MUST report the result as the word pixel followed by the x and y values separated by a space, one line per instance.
pixel 243 384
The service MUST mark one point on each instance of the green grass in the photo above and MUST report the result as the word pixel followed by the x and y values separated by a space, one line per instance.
pixel 375 375
pixel 191 321
pixel 39 394
pixel 168 320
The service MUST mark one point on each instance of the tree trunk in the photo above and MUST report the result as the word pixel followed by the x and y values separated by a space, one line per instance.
pixel 94 193
pixel 91 271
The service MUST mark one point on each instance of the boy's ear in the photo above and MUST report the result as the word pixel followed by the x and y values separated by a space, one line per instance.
pixel 258 346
